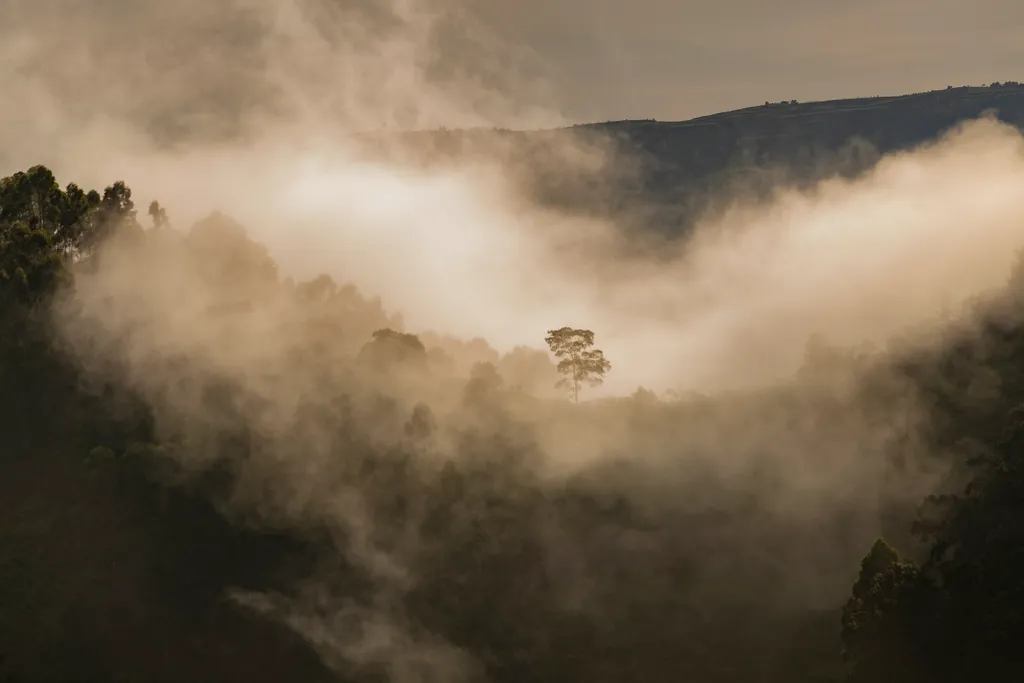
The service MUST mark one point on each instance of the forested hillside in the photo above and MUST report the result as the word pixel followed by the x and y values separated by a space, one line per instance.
pixel 212 472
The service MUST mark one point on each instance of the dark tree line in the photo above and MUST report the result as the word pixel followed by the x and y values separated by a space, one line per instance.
pixel 957 613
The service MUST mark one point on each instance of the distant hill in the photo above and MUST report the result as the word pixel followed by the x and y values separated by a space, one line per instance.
pixel 663 174
pixel 753 149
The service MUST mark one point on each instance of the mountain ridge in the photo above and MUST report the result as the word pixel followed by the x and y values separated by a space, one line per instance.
pixel 664 175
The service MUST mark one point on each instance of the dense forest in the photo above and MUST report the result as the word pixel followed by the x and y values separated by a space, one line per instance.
pixel 212 472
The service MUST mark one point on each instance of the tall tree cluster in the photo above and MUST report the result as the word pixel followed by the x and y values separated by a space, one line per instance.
pixel 954 613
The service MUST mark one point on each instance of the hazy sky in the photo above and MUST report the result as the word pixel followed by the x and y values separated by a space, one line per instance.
pixel 584 59
pixel 674 59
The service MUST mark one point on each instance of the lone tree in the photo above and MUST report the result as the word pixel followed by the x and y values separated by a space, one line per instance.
pixel 577 361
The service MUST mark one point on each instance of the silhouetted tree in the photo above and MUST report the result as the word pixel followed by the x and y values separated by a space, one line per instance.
pixel 158 214
pixel 391 347
pixel 577 361
pixel 484 380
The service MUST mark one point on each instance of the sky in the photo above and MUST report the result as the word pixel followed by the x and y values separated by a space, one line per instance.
pixel 670 59
pixel 573 60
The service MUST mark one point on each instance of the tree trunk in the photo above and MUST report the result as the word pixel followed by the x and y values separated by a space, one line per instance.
pixel 575 381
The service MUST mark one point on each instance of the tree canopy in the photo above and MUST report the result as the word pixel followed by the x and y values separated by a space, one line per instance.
pixel 578 362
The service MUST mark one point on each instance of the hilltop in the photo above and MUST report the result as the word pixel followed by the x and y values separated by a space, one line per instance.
pixel 662 174
pixel 753 149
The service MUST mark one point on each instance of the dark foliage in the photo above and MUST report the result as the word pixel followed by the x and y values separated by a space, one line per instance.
pixel 140 544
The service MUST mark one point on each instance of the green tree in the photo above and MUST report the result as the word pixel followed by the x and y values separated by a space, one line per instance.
pixel 578 362
pixel 883 617
pixel 960 617
pixel 33 200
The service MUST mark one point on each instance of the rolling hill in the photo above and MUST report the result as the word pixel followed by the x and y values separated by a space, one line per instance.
pixel 661 175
